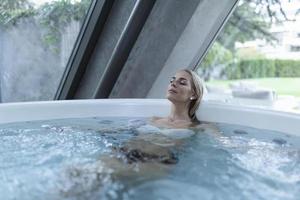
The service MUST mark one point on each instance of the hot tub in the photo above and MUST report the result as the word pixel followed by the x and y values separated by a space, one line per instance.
pixel 55 150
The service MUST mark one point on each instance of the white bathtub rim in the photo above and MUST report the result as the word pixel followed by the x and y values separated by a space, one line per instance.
pixel 209 111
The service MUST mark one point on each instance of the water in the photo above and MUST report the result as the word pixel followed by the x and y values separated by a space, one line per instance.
pixel 74 159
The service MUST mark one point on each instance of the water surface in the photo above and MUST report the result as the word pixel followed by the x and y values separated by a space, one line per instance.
pixel 62 159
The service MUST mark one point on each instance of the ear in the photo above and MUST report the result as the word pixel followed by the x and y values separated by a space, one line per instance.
pixel 194 94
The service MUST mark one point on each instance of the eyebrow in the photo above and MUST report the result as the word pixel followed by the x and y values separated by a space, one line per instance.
pixel 181 78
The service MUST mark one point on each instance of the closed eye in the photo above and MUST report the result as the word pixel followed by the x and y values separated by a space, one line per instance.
pixel 182 82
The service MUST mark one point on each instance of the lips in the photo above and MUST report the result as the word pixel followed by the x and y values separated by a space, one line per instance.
pixel 172 91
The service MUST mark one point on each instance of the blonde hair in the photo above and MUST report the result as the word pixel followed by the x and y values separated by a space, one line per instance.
pixel 198 87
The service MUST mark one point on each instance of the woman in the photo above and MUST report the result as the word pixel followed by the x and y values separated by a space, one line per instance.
pixel 185 92
pixel 150 154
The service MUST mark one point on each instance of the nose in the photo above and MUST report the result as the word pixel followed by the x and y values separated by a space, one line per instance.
pixel 174 84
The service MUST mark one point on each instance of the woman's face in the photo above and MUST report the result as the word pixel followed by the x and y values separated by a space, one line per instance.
pixel 180 87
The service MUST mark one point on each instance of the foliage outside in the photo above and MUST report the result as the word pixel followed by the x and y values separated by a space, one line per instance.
pixel 260 68
pixel 251 20
pixel 53 16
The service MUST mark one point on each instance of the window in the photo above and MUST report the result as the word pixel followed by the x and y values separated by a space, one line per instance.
pixel 36 40
pixel 249 61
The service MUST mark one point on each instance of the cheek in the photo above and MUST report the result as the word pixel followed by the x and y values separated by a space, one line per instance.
pixel 187 91
pixel 185 94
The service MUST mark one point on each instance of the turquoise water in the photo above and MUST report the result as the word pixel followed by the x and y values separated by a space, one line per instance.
pixel 63 159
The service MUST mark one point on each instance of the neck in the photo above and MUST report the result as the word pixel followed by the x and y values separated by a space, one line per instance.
pixel 179 112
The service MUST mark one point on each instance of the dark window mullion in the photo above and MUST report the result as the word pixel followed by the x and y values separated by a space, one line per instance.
pixel 123 47
pixel 83 48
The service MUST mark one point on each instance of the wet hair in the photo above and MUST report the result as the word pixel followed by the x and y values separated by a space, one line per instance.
pixel 198 88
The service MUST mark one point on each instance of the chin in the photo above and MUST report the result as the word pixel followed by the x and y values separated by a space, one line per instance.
pixel 172 98
pixel 169 97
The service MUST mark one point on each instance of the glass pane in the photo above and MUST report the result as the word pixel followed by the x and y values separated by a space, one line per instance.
pixel 256 58
pixel 36 40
